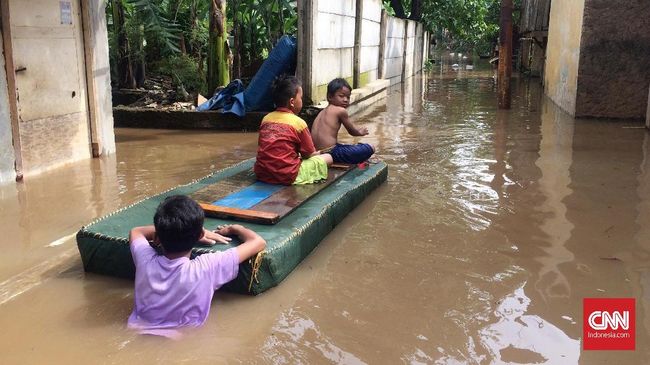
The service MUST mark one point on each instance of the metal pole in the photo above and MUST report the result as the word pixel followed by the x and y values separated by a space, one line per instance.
pixel 505 55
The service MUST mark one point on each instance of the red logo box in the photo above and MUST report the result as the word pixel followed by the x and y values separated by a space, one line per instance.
pixel 608 323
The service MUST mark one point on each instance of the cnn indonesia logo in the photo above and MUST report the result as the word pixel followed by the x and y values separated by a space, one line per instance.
pixel 608 324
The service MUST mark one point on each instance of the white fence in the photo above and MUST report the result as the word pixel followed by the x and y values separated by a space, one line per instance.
pixel 388 47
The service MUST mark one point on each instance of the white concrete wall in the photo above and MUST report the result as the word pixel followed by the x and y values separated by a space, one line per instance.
pixel 405 49
pixel 102 75
pixel 370 40
pixel 419 48
pixel 53 103
pixel 62 85
pixel 394 52
pixel 426 48
pixel 7 158
pixel 332 45
pixel 333 49
pixel 410 49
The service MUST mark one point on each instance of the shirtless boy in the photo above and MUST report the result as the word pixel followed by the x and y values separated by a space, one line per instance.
pixel 328 122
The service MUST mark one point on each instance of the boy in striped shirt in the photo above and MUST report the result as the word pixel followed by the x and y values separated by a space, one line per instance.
pixel 286 154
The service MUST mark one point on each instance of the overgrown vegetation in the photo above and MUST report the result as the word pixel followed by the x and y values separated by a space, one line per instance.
pixel 143 33
pixel 172 38
pixel 467 26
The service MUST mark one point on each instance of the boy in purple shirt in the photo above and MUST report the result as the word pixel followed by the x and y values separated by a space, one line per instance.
pixel 172 291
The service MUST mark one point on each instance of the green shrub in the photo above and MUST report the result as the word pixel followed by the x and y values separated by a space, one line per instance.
pixel 428 65
pixel 183 69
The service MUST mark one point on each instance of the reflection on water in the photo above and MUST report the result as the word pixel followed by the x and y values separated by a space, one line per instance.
pixel 555 153
pixel 298 339
pixel 517 337
pixel 491 230
pixel 639 259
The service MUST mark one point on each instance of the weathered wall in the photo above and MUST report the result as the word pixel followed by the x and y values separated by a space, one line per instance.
pixel 409 49
pixel 647 112
pixel 406 48
pixel 394 49
pixel 532 55
pixel 370 40
pixel 563 53
pixel 101 74
pixel 63 86
pixel 419 48
pixel 52 105
pixel 333 47
pixel 614 71
pixel 534 15
pixel 7 172
pixel 327 31
pixel 533 32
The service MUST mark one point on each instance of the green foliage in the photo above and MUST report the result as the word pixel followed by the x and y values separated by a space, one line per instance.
pixel 183 70
pixel 462 25
pixel 388 8
pixel 260 24
pixel 428 65
pixel 152 17
pixel 178 30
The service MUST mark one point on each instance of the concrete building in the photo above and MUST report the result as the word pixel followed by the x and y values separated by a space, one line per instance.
pixel 598 57
pixel 55 103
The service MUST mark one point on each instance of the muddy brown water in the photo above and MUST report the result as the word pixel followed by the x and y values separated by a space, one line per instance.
pixel 479 249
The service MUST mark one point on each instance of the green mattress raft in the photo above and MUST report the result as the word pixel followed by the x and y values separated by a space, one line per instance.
pixel 104 247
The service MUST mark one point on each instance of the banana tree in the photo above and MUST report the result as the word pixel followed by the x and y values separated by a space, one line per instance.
pixel 257 25
pixel 218 70
pixel 131 24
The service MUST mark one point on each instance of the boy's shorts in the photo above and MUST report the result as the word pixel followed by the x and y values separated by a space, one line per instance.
pixel 351 153
pixel 311 170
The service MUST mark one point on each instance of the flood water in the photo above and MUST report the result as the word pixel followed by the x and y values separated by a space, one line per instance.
pixel 492 228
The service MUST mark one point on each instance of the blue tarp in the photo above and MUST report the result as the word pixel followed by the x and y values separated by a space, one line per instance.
pixel 281 60
pixel 257 96
pixel 230 100
pixel 249 196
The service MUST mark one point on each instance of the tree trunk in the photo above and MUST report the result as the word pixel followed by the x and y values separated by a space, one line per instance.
pixel 195 50
pixel 237 47
pixel 140 68
pixel 126 78
pixel 398 8
pixel 281 10
pixel 218 74
pixel 416 10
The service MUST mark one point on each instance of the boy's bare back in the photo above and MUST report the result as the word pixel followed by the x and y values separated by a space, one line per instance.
pixel 326 127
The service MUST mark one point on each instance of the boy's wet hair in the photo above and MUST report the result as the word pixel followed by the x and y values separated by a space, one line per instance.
pixel 335 85
pixel 284 88
pixel 179 223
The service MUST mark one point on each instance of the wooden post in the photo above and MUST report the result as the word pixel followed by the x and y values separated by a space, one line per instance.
pixel 305 44
pixel 356 64
pixel 11 87
pixel 91 87
pixel 383 32
pixel 505 55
